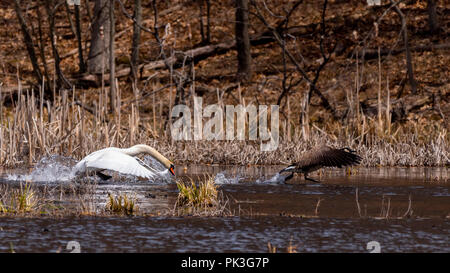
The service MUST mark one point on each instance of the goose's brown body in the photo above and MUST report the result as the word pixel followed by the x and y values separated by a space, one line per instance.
pixel 322 156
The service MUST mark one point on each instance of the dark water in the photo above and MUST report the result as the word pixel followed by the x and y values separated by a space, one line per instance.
pixel 402 209
pixel 230 234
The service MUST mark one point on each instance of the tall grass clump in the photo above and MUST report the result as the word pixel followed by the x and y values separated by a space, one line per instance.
pixel 202 199
pixel 21 200
pixel 121 204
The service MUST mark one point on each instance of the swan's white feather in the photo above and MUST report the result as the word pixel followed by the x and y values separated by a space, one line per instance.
pixel 115 160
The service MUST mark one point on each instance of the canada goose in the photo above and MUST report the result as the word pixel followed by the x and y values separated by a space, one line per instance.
pixel 122 161
pixel 322 156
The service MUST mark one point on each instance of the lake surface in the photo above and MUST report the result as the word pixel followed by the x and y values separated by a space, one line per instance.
pixel 397 209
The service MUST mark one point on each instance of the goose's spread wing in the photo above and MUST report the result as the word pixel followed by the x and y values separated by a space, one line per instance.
pixel 337 158
pixel 329 157
pixel 116 161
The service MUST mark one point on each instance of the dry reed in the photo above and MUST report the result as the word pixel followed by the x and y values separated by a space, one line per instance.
pixel 290 248
pixel 33 129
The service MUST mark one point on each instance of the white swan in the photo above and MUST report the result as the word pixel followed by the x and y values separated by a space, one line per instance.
pixel 122 161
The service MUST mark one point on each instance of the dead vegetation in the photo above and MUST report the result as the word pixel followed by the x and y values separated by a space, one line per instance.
pixel 32 130
pixel 290 248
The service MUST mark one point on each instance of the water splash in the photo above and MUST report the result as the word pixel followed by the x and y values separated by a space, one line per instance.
pixel 163 174
pixel 276 179
pixel 48 169
pixel 220 178
pixel 153 163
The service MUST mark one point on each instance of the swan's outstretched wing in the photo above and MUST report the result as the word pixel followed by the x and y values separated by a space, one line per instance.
pixel 115 161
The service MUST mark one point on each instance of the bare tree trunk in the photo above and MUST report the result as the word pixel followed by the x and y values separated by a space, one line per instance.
pixel 136 38
pixel 243 41
pixel 206 38
pixel 28 42
pixel 99 49
pixel 112 76
pixel 208 21
pixel 433 22
pixel 412 81
pixel 61 81
pixel 47 85
pixel 82 64
pixel 88 11
pixel 69 17
pixel 202 31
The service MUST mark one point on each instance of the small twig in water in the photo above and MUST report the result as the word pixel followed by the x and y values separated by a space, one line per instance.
pixel 408 211
pixel 316 212
pixel 357 202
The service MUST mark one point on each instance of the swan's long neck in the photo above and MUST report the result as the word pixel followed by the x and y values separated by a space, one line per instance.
pixel 142 148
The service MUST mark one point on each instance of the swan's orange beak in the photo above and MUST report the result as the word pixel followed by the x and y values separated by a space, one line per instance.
pixel 171 169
